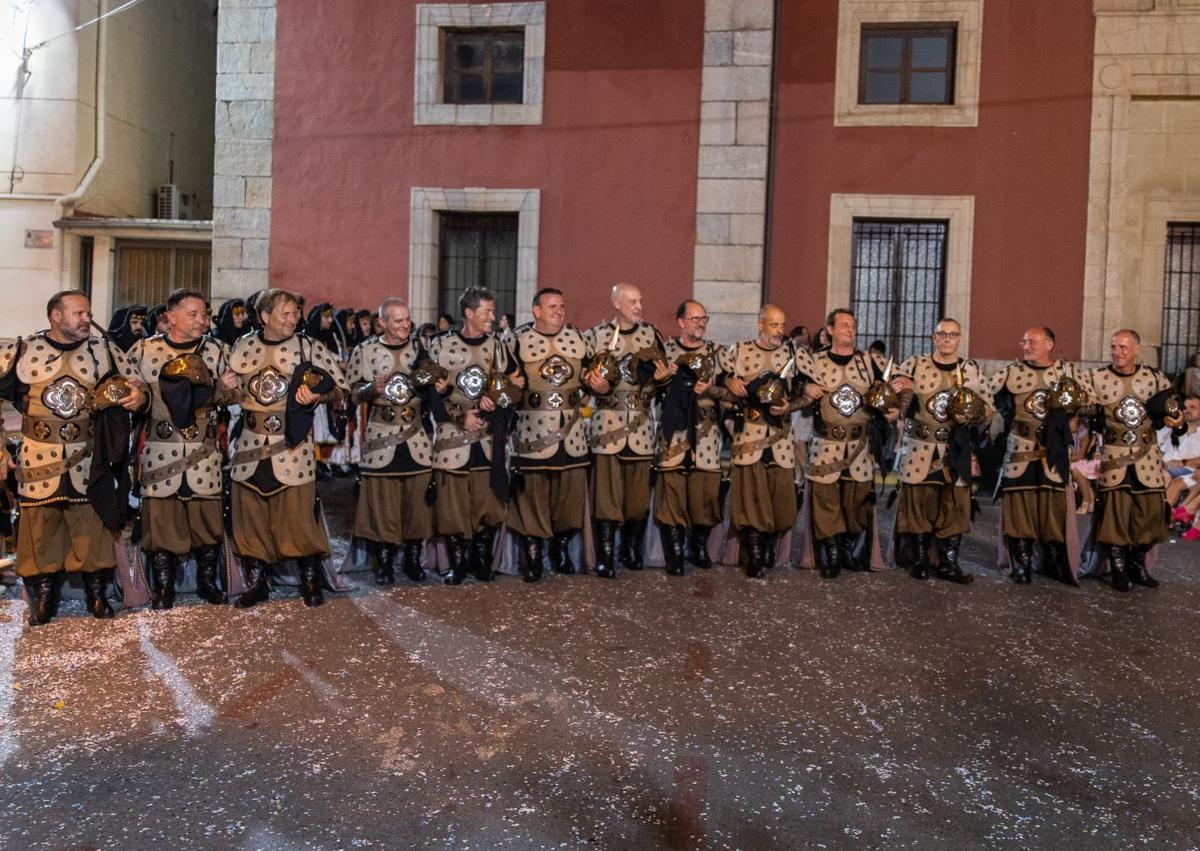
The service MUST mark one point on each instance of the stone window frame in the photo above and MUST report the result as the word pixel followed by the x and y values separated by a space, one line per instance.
pixel 427 202
pixel 428 106
pixel 966 15
pixel 957 210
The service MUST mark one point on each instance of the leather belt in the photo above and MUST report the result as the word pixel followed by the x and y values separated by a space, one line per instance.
pixel 680 447
pixel 550 400
pixel 390 413
pixel 1116 462
pixel 457 441
pixel 625 400
pixel 841 464
pixel 757 445
pixel 175 468
pixel 259 453
pixel 260 423
pixel 1128 436
pixel 839 432
pixel 617 434
pixel 25 475
pixel 387 441
pixel 551 438
pixel 921 431
pixel 45 430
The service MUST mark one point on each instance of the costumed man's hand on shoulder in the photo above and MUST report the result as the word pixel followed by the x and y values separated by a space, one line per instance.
pixel 814 391
pixel 136 398
pixel 229 380
pixel 736 386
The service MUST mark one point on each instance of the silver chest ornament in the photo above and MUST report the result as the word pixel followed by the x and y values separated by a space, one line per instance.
pixel 66 397
pixel 398 390
pixel 471 381
pixel 556 371
pixel 1035 403
pixel 1130 412
pixel 846 400
pixel 938 406
pixel 269 386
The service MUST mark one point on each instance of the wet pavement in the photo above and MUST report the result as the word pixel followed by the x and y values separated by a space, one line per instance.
pixel 709 711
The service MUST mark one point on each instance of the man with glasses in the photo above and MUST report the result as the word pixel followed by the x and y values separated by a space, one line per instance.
pixel 687 501
pixel 949 400
pixel 622 428
pixel 1030 393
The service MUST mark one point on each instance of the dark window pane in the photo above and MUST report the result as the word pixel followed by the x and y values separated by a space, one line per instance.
pixel 927 87
pixel 468 54
pixel 882 88
pixel 930 52
pixel 508 55
pixel 470 88
pixel 885 52
pixel 477 250
pixel 507 88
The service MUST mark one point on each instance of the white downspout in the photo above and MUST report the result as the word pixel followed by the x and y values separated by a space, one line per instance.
pixel 72 197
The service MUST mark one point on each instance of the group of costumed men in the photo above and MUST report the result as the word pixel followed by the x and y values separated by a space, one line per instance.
pixel 471 436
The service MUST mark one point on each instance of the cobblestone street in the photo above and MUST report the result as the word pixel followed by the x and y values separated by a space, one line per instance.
pixel 710 711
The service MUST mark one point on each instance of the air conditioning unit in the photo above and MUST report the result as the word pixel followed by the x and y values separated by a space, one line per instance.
pixel 167 206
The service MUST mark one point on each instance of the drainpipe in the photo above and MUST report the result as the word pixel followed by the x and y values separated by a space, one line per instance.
pixel 772 125
pixel 72 197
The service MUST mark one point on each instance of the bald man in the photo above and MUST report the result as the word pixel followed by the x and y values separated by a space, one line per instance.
pixel 1133 401
pixel 841 463
pixel 1034 477
pixel 763 490
pixel 622 429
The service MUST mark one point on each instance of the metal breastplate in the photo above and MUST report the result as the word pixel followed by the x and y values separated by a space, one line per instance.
pixel 846 400
pixel 398 390
pixel 1036 404
pixel 65 397
pixel 938 405
pixel 556 371
pixel 1130 412
pixel 471 381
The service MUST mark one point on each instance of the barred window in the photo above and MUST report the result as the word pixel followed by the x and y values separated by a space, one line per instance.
pixel 911 64
pixel 1181 297
pixel 898 277
pixel 477 250
pixel 483 65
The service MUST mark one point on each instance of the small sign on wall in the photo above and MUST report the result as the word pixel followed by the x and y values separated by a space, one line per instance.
pixel 39 239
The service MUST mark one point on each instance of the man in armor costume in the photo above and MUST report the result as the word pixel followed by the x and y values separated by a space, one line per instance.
pixel 466 460
pixel 948 402
pixel 852 394
pixel 393 511
pixel 547 506
pixel 1036 468
pixel 759 375
pixel 627 360
pixel 687 501
pixel 284 377
pixel 1133 401
pixel 186 376
pixel 66 383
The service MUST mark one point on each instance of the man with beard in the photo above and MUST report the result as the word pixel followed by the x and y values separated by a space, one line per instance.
pixel 466 462
pixel 186 375
pixel 125 327
pixel 622 430
pixel 847 434
pixel 687 501
pixel 1037 460
pixel 393 511
pixel 551 445
pixel 948 402
pixel 284 377
pixel 1133 401
pixel 67 385
pixel 762 495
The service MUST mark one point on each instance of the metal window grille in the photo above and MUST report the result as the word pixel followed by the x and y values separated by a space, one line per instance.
pixel 477 250
pixel 1181 297
pixel 898 282
pixel 147 272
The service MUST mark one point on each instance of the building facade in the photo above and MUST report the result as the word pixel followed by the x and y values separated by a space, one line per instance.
pixel 1007 163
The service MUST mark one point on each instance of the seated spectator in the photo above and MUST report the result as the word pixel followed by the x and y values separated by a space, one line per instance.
pixel 1191 377
pixel 1085 464
pixel 1181 459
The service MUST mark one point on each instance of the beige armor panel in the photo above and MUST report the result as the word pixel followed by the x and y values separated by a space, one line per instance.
pixel 672 449
pixel 609 418
pixel 60 386
pixel 469 366
pixel 1030 389
pixel 553 368
pixel 1130 439
pixel 842 411
pixel 165 444
pixel 928 429
pixel 748 361
pixel 387 417
pixel 266 370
